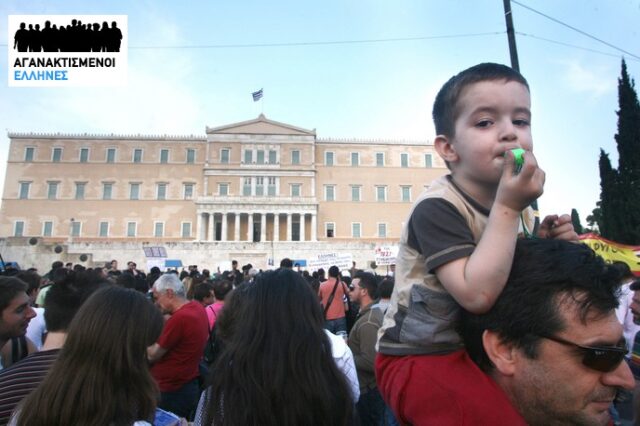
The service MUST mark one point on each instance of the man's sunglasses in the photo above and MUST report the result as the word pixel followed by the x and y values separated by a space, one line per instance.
pixel 600 358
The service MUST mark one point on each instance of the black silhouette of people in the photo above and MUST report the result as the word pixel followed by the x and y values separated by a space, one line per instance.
pixel 76 37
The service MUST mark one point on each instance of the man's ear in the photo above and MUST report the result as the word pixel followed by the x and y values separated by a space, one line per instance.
pixel 503 355
pixel 445 149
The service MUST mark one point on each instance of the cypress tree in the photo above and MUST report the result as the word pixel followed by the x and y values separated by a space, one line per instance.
pixel 619 208
pixel 575 219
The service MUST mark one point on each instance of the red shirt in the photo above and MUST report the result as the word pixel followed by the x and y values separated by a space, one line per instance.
pixel 184 337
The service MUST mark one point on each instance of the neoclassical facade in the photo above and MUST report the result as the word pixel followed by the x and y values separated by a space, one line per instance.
pixel 258 181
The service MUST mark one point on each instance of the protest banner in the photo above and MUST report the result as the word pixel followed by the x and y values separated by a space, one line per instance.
pixel 614 252
pixel 386 255
pixel 326 260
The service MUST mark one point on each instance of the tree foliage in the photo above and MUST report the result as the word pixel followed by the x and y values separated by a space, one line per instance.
pixel 575 219
pixel 618 214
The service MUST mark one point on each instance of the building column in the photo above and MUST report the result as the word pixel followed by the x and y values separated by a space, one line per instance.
pixel 250 227
pixel 199 229
pixel 263 227
pixel 288 226
pixel 224 226
pixel 236 230
pixel 276 227
pixel 314 225
pixel 212 227
pixel 302 226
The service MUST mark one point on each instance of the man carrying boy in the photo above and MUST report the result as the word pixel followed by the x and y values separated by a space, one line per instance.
pixel 457 247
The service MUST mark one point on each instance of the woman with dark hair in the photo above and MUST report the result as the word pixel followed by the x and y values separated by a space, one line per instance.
pixel 277 365
pixel 101 376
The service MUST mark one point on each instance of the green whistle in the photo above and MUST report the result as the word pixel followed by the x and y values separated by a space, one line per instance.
pixel 518 156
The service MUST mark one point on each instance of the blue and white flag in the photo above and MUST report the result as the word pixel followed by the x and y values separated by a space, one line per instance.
pixel 257 95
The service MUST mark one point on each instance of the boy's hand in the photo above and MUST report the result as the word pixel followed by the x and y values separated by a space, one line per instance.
pixel 559 228
pixel 517 191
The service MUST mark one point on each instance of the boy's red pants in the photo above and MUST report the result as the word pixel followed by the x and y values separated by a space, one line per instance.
pixel 442 390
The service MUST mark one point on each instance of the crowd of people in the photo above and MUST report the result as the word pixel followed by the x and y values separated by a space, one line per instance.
pixel 74 37
pixel 491 317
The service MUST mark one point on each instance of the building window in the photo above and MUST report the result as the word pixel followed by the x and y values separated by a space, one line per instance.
pixel 355 159
pixel 329 229
pixel 24 190
pixel 382 230
pixel 223 189
pixel 137 155
pixel 259 186
pixel 295 189
pixel 28 154
pixel 404 159
pixel 158 229
pixel 191 155
pixel 132 227
pixel 405 193
pixel 260 157
pixel 329 192
pixel 355 193
pixel 75 228
pixel 103 230
pixel 164 156
pixel 224 156
pixel 295 157
pixel 111 155
pixel 271 186
pixel 246 186
pixel 107 190
pixel 188 191
pixel 18 228
pixel 273 157
pixel 47 229
pixel 84 155
pixel 355 230
pixel 52 190
pixel 328 158
pixel 57 155
pixel 162 191
pixel 381 193
pixel 379 159
pixel 248 156
pixel 134 191
pixel 186 229
pixel 80 187
pixel 428 160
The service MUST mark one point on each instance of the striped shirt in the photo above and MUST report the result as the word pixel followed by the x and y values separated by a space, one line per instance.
pixel 17 381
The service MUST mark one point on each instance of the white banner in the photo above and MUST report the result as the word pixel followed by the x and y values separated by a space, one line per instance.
pixel 386 255
pixel 326 260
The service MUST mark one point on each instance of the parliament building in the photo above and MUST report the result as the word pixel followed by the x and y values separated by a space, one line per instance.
pixel 255 191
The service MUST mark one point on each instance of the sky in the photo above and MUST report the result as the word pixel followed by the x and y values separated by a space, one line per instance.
pixel 349 69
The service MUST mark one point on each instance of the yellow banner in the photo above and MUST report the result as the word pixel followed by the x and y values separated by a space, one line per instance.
pixel 614 252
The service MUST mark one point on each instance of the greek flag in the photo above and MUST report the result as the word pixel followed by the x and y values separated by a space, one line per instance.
pixel 257 95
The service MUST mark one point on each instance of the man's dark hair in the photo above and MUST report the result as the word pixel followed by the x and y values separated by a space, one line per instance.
pixel 221 288
pixel 10 287
pixel 545 275
pixel 369 282
pixel 625 270
pixel 385 288
pixel 446 106
pixel 65 297
pixel 32 279
pixel 334 271
pixel 202 290
pixel 286 263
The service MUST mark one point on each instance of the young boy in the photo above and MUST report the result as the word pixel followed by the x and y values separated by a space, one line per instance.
pixel 457 248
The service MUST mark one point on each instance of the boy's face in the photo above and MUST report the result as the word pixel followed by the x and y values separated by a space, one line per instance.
pixel 494 117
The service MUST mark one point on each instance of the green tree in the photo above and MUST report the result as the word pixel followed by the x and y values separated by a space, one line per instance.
pixel 575 219
pixel 618 217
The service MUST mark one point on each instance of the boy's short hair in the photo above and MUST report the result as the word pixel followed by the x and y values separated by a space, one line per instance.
pixel 446 108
